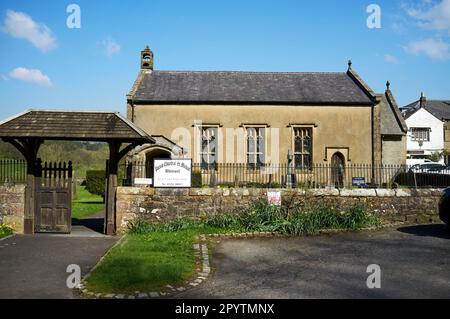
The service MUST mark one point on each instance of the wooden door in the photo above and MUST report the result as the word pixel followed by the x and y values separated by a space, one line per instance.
pixel 53 212
pixel 337 170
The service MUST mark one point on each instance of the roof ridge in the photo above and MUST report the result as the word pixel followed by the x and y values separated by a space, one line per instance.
pixel 244 72
pixel 70 111
pixel 443 101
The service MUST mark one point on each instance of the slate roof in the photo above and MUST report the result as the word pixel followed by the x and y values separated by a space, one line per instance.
pixel 85 126
pixel 392 122
pixel 249 87
pixel 439 108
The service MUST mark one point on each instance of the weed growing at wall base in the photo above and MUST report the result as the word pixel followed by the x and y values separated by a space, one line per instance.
pixel 262 217
pixel 5 231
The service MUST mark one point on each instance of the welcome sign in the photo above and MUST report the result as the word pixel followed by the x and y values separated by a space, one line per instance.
pixel 172 173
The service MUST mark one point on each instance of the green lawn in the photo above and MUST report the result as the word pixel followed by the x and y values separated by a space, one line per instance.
pixel 146 263
pixel 86 204
pixel 153 256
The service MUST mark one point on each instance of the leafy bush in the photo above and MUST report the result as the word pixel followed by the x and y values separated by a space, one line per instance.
pixel 95 182
pixel 224 221
pixel 5 231
pixel 142 227
pixel 262 217
pixel 197 179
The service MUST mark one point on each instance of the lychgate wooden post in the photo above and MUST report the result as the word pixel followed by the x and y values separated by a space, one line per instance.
pixel 113 167
pixel 29 148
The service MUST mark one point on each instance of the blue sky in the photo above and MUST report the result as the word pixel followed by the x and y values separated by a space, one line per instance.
pixel 44 64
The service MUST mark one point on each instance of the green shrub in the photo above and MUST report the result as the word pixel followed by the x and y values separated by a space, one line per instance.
pixel 5 231
pixel 197 179
pixel 262 217
pixel 224 221
pixel 95 182
pixel 143 227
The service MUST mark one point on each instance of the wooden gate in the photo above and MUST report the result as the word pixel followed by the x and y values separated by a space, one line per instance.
pixel 53 198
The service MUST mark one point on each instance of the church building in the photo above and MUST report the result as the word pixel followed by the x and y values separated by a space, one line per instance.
pixel 264 118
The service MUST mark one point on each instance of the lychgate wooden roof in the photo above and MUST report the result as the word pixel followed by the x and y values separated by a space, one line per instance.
pixel 68 125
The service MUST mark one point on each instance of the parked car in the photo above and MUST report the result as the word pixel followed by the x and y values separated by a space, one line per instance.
pixel 415 161
pixel 440 170
pixel 444 207
pixel 427 168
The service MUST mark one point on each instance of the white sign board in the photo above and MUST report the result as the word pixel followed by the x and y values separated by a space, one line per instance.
pixel 172 173
pixel 274 198
pixel 143 181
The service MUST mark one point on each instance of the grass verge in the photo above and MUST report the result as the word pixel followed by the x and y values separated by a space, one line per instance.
pixel 148 262
pixel 86 204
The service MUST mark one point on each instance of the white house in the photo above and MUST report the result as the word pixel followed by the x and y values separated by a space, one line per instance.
pixel 426 121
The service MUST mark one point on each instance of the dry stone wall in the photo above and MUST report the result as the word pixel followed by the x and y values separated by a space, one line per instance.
pixel 162 205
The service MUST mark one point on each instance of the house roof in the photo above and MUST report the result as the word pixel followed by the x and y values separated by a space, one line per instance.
pixel 392 121
pixel 249 87
pixel 65 125
pixel 438 108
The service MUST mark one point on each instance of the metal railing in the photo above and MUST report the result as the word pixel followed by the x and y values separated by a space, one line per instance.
pixel 314 176
pixel 13 172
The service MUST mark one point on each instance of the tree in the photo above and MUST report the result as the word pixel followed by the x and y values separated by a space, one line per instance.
pixel 436 156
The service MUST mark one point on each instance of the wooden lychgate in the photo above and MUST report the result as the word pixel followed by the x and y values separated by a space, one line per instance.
pixel 53 196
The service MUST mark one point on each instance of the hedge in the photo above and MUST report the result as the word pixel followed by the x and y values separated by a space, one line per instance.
pixel 95 182
pixel 197 179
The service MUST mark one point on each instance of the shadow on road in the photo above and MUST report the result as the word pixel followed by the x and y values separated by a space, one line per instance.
pixel 95 224
pixel 437 230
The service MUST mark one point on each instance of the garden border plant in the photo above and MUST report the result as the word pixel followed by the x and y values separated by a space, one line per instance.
pixel 5 231
pixel 258 220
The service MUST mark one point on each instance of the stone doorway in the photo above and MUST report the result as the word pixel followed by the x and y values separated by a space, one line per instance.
pixel 338 170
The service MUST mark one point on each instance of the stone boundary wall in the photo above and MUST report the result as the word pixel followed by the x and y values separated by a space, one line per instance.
pixel 161 205
pixel 12 207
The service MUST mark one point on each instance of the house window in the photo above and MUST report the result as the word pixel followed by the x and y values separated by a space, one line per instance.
pixel 420 134
pixel 303 148
pixel 255 147
pixel 208 150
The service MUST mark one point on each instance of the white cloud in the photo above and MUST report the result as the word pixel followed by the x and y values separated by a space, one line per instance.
pixel 110 47
pixel 390 58
pixel 22 26
pixel 437 17
pixel 31 75
pixel 435 49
